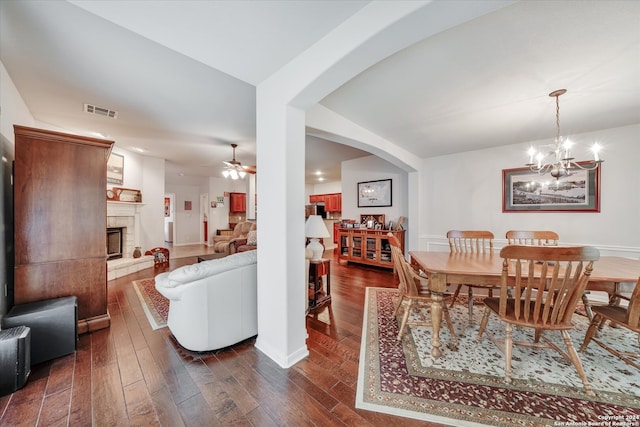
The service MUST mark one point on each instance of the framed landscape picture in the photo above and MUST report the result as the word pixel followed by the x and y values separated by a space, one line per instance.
pixel 374 193
pixel 527 191
pixel 115 169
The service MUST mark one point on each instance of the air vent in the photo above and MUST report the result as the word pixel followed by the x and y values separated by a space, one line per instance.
pixel 100 111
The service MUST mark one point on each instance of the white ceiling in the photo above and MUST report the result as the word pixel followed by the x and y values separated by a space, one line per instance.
pixel 182 74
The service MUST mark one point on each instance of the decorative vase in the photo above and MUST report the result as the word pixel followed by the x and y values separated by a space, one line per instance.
pixel 136 252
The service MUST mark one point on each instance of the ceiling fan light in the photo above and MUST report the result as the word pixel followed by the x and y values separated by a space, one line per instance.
pixel 234 174
pixel 242 174
pixel 225 173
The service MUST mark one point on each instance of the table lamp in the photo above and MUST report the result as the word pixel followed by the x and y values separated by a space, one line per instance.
pixel 315 230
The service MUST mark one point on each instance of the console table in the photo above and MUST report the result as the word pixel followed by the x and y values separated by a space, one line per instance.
pixel 318 270
pixel 367 246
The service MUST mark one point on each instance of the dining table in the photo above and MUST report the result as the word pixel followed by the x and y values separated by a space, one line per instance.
pixel 485 269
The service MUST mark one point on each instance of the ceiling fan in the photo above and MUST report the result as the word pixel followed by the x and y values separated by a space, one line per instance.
pixel 234 168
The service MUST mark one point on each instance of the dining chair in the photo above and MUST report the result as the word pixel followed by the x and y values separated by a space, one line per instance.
pixel 469 241
pixel 544 238
pixel 532 237
pixel 546 283
pixel 628 317
pixel 410 296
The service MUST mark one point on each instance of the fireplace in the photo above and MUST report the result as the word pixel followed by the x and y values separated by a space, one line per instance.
pixel 126 217
pixel 114 242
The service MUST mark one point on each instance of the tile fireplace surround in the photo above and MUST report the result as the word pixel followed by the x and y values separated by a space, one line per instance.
pixel 127 216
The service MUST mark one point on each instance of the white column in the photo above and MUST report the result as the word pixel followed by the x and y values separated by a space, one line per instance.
pixel 378 30
pixel 281 282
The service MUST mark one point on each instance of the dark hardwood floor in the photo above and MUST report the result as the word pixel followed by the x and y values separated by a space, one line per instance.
pixel 130 374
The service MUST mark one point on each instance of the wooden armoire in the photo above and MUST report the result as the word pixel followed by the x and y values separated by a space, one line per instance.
pixel 60 213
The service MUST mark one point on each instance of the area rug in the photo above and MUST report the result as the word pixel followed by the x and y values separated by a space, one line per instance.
pixel 155 306
pixel 465 387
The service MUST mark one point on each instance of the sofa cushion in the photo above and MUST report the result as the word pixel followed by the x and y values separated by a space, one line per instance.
pixel 193 272
pixel 252 238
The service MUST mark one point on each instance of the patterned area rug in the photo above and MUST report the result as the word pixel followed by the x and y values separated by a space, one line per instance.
pixel 466 387
pixel 155 306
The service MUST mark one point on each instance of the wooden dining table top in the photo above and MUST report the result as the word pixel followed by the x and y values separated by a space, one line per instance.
pixel 486 268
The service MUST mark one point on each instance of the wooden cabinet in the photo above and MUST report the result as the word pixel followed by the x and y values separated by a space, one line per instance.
pixel 316 198
pixel 237 202
pixel 61 221
pixel 332 202
pixel 367 246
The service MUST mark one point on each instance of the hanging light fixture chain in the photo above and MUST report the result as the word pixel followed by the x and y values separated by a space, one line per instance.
pixel 558 118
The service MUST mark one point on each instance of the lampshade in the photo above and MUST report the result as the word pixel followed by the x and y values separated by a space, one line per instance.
pixel 315 230
pixel 315 227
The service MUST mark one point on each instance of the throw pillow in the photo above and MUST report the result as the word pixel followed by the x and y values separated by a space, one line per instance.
pixel 252 238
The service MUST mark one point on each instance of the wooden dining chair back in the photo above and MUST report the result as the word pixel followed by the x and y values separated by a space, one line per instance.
pixel 546 283
pixel 410 297
pixel 628 317
pixel 532 237
pixel 469 241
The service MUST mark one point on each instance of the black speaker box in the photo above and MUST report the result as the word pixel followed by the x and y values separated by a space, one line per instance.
pixel 15 358
pixel 53 323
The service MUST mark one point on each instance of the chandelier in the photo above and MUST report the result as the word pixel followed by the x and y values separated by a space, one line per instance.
pixel 559 163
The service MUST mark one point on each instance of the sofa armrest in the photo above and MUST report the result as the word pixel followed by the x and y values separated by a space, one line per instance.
pixel 235 244
pixel 216 239
pixel 167 290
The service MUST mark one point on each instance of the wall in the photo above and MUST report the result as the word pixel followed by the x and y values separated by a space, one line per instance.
pixel 152 213
pixel 324 188
pixel 464 191
pixel 186 222
pixel 13 110
pixel 146 174
pixel 219 216
pixel 7 253
pixel 373 168
pixel 188 225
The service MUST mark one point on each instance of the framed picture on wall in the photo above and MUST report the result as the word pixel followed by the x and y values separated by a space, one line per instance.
pixel 374 193
pixel 527 191
pixel 115 169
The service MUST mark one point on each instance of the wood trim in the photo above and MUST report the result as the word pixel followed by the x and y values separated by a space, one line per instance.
pixel 62 137
pixel 94 323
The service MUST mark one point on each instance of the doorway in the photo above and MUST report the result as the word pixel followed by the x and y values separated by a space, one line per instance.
pixel 169 211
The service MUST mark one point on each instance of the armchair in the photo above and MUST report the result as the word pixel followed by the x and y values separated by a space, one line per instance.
pixel 249 243
pixel 221 244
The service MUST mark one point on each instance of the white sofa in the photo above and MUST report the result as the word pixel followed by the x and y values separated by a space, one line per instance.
pixel 213 304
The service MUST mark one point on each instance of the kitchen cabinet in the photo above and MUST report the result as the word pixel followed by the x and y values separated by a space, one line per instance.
pixel 332 202
pixel 367 246
pixel 60 212
pixel 237 202
pixel 316 198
